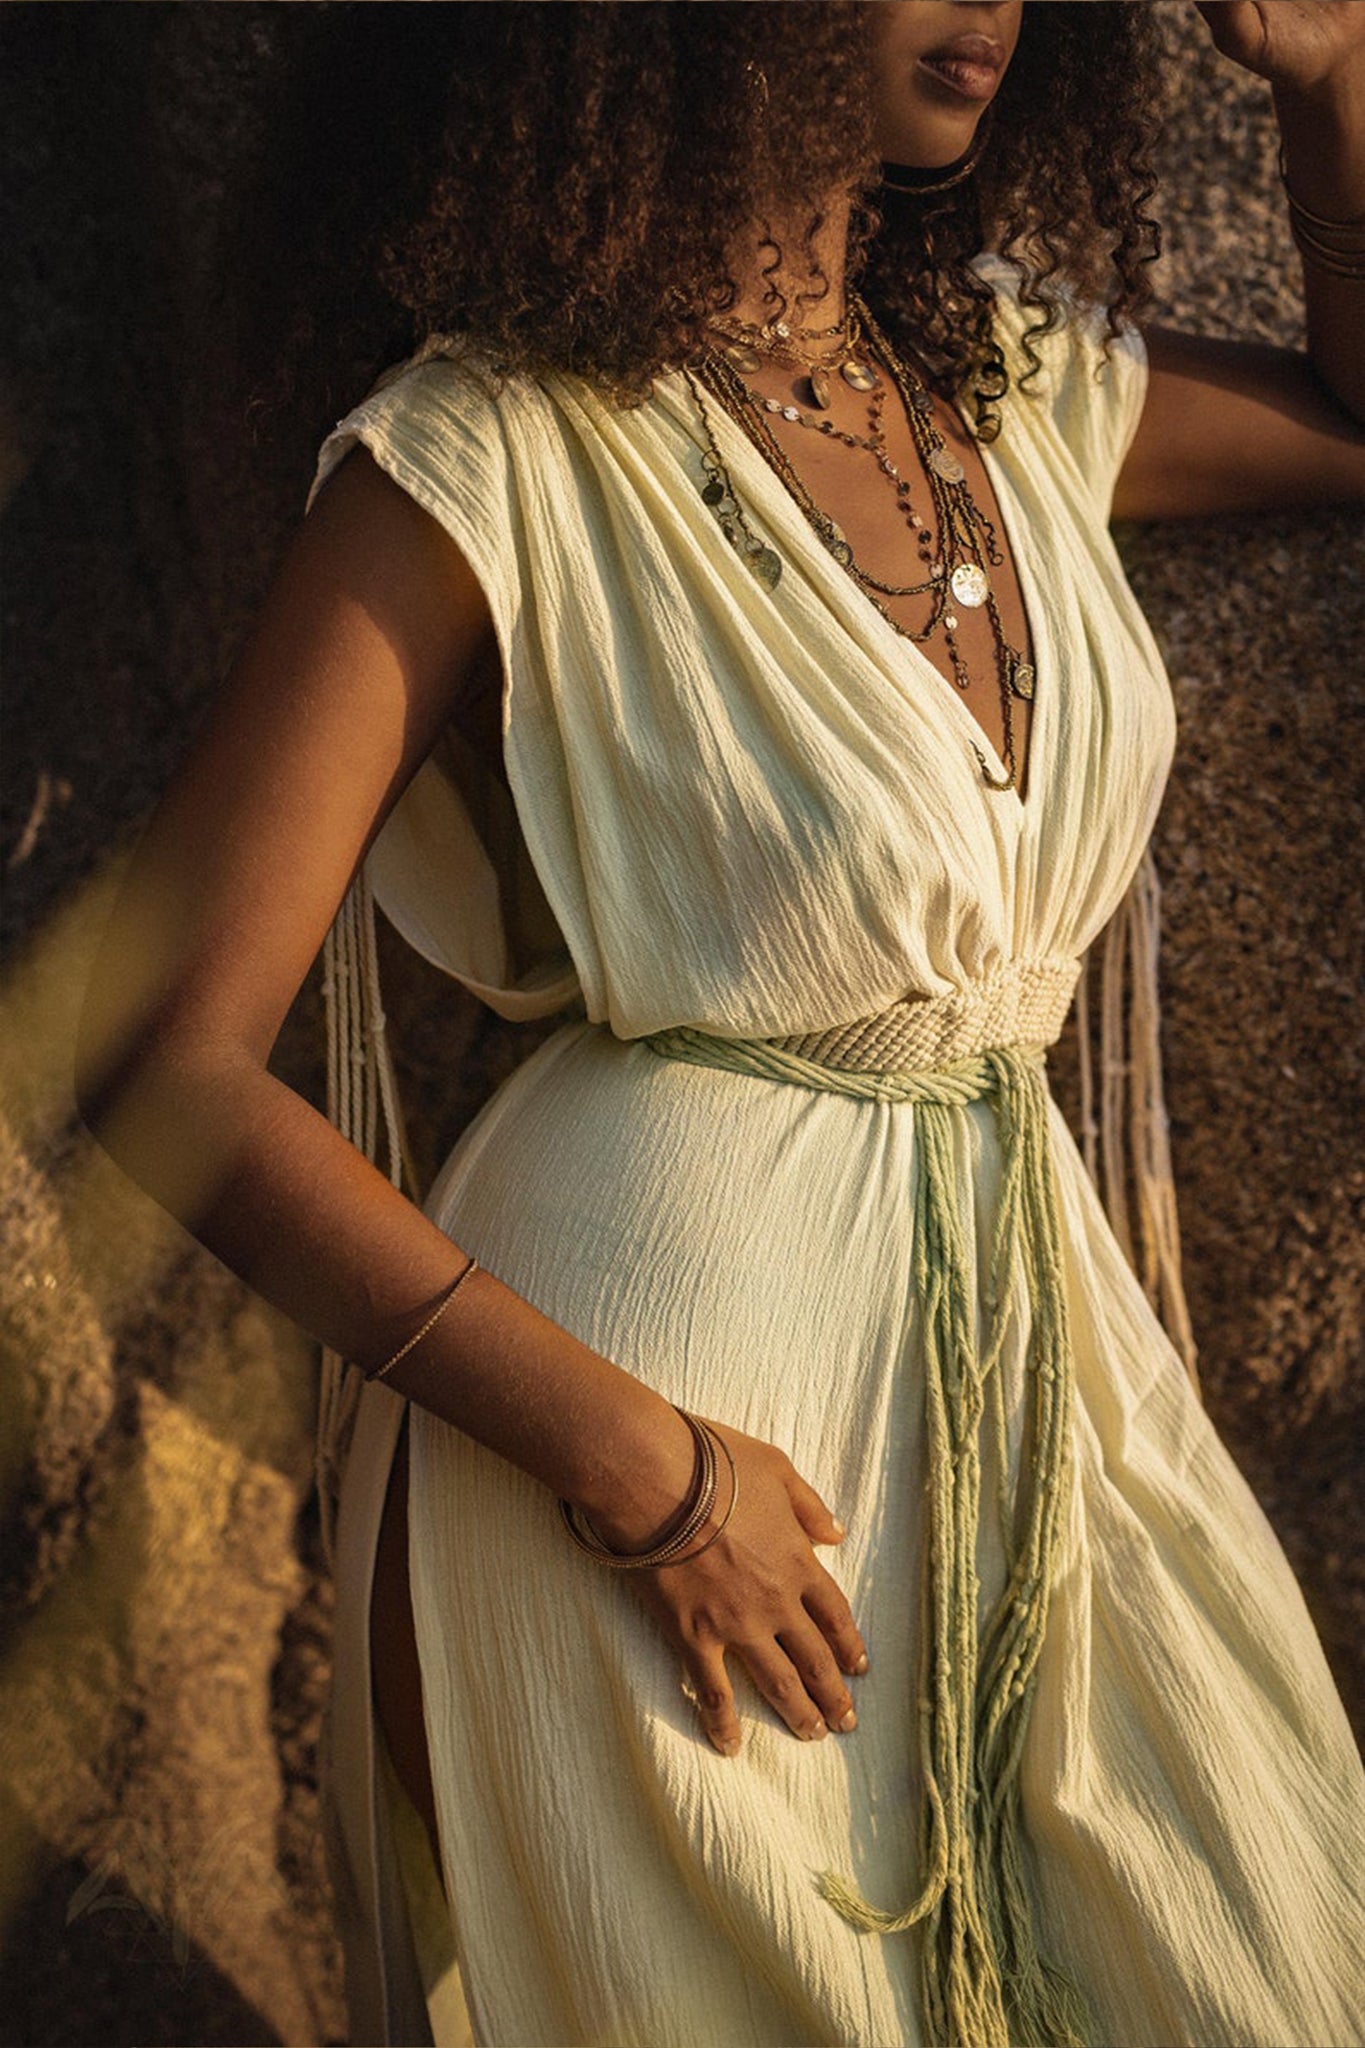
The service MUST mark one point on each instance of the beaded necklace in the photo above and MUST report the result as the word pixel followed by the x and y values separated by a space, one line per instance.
pixel 957 565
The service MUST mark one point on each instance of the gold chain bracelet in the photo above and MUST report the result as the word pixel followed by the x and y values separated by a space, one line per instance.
pixel 442 1305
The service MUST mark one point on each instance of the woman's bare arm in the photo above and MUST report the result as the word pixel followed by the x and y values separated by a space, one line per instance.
pixel 343 688
pixel 351 672
pixel 1323 129
pixel 1236 426
pixel 1231 426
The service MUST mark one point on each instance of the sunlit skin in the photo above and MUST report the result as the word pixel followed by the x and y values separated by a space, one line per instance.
pixel 1224 422
pixel 1267 399
pixel 937 65
pixel 362 656
pixel 924 119
pixel 919 119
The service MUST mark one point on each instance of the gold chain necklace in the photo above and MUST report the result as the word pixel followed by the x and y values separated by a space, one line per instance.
pixel 964 530
pixel 745 344
pixel 763 331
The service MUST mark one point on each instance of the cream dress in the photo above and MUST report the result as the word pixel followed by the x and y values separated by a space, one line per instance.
pixel 760 813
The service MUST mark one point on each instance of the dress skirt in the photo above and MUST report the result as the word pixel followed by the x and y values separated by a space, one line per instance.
pixel 1193 1801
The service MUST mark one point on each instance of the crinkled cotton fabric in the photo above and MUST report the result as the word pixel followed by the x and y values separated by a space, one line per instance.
pixel 759 812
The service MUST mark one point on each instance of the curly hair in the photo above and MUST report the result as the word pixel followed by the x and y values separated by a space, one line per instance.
pixel 557 184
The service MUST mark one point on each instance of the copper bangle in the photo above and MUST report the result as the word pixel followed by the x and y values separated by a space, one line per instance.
pixel 1319 221
pixel 701 1498
pixel 1339 262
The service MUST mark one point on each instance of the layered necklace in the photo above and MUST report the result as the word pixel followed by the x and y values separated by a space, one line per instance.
pixel 957 547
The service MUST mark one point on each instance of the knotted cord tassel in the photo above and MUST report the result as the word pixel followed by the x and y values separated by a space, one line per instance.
pixel 1042 2004
pixel 1134 1130
pixel 984 1983
pixel 361 1092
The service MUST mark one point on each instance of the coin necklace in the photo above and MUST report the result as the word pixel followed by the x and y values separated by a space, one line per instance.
pixel 968 580
pixel 964 530
pixel 965 582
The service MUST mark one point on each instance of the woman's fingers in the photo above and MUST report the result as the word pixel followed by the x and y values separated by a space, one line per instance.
pixel 785 1688
pixel 829 1610
pixel 795 1674
pixel 819 1522
pixel 824 1601
pixel 814 1664
pixel 715 1700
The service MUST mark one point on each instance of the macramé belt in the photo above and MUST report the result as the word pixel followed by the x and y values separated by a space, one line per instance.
pixel 984 1982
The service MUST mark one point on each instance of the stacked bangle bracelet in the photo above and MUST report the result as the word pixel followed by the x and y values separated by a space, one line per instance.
pixel 701 1494
pixel 696 1510
pixel 442 1305
pixel 1337 246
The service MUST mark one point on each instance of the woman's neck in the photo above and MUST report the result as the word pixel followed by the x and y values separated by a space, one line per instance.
pixel 751 253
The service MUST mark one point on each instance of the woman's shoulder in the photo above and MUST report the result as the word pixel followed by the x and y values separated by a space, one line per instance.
pixel 450 380
pixel 442 420
pixel 451 433
pixel 1069 338
pixel 1066 367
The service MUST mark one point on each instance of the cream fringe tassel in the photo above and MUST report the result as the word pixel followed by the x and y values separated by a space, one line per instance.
pixel 1132 1158
pixel 361 1090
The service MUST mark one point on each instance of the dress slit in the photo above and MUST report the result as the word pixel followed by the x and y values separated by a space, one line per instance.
pixel 403 1984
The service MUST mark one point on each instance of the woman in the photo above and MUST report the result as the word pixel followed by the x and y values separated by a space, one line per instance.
pixel 832 736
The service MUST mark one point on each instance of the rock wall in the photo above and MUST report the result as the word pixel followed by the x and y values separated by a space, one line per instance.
pixel 166 1643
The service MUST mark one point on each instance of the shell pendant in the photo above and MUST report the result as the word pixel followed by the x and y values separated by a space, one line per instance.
pixel 970 586
pixel 745 360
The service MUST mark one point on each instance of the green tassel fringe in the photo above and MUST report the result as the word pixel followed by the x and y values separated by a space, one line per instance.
pixel 984 1983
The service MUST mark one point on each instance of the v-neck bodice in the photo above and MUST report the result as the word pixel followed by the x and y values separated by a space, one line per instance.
pixel 758 811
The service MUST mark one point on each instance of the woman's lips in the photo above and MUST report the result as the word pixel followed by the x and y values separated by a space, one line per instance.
pixel 969 65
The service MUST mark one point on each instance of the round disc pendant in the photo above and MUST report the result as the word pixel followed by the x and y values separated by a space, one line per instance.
pixel 1021 679
pixel 743 359
pixel 766 564
pixel 819 388
pixel 969 584
pixel 944 463
pixel 713 493
pixel 860 375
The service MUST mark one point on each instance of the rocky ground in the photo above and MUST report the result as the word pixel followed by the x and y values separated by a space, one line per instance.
pixel 167 1617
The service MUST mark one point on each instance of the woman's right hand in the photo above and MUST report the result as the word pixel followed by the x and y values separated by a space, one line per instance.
pixel 760 1591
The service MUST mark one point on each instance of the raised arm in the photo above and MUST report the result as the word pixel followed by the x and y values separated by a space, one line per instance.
pixel 1313 52
pixel 357 662
pixel 1232 426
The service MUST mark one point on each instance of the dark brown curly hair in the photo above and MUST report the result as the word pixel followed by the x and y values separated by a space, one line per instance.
pixel 558 181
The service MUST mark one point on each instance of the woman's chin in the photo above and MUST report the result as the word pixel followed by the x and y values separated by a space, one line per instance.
pixel 938 141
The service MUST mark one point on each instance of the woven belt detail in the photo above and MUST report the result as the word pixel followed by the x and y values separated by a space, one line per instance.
pixel 984 1982
pixel 1024 1003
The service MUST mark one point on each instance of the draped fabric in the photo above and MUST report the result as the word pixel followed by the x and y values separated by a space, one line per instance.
pixel 757 813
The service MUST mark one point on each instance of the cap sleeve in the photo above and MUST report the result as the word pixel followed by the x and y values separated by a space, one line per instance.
pixel 450 868
pixel 1095 402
